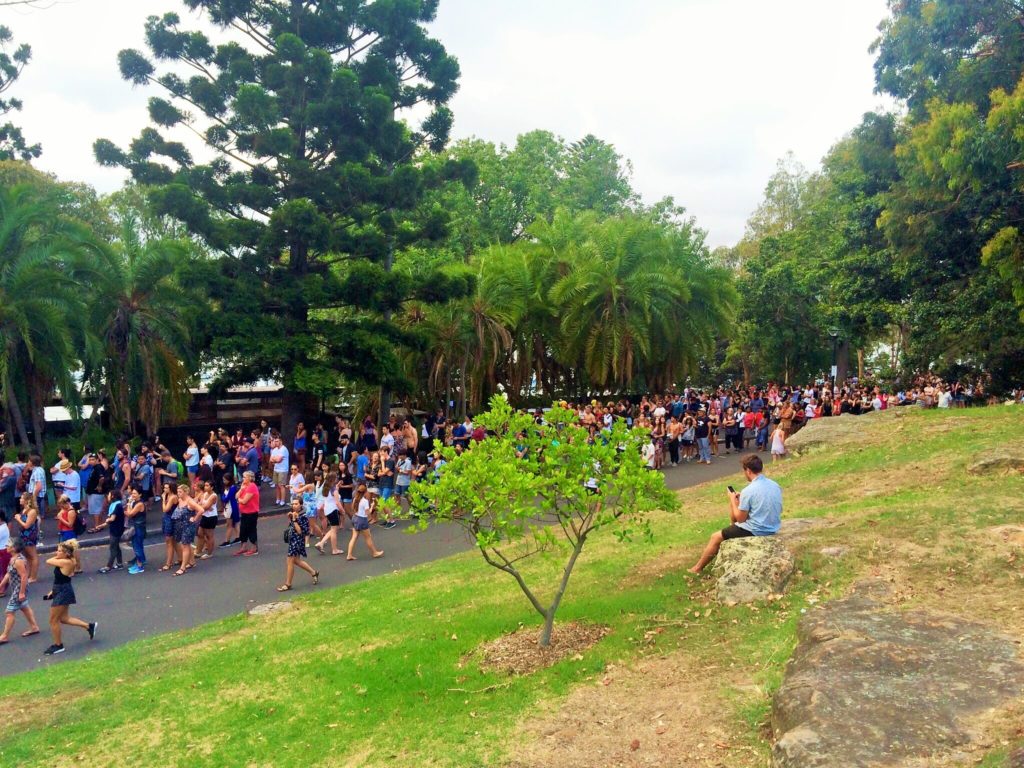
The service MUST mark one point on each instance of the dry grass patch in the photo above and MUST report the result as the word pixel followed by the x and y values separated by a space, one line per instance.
pixel 657 712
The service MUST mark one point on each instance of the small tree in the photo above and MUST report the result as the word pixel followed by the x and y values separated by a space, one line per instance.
pixel 518 506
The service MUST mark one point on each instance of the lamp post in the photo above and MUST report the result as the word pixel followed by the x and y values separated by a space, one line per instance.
pixel 834 335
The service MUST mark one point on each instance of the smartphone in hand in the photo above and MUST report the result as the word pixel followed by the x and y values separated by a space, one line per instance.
pixel 731 489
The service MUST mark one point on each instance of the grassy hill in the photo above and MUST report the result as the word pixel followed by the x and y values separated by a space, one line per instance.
pixel 384 673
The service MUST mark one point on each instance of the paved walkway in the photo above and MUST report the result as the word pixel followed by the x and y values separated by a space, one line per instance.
pixel 132 607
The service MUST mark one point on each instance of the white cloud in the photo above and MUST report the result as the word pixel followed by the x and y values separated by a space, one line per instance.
pixel 702 95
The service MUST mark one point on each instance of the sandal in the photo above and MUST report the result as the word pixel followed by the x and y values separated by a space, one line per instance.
pixel 350 558
pixel 316 577
pixel 164 568
pixel 319 548
pixel 284 588
pixel 4 642
pixel 29 633
pixel 178 572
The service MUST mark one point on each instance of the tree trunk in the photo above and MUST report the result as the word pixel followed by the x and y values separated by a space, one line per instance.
pixel 549 616
pixel 746 373
pixel 842 363
pixel 385 392
pixel 38 419
pixel 18 417
pixel 463 384
pixel 448 391
pixel 860 365
pixel 295 407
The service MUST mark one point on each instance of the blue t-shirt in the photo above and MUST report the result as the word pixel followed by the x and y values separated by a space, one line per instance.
pixel 144 474
pixel 362 462
pixel 762 501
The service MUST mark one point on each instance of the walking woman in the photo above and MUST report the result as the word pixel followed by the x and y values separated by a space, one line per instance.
pixel 16 582
pixel 63 596
pixel 778 443
pixel 361 523
pixel 229 504
pixel 346 488
pixel 310 497
pixel 297 533
pixel 28 521
pixel 330 503
pixel 67 520
pixel 169 505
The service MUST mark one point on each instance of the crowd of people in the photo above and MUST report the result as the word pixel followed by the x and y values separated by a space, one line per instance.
pixel 330 480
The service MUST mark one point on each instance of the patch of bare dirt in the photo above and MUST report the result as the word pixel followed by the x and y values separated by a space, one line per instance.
pixel 658 712
pixel 519 654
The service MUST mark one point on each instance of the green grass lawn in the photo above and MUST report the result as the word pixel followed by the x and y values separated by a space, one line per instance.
pixel 363 674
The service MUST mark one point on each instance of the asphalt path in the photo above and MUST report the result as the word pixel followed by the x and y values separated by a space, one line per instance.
pixel 130 607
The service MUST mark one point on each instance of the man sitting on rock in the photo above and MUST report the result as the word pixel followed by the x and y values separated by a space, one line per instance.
pixel 757 511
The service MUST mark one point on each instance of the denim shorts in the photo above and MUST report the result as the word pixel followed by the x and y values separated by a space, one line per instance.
pixel 14 604
pixel 401 490
pixel 360 523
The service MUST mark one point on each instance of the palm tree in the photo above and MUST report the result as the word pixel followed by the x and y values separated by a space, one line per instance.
pixel 609 299
pixel 141 315
pixel 42 258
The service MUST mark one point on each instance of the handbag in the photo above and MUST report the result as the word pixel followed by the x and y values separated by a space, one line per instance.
pixel 288 535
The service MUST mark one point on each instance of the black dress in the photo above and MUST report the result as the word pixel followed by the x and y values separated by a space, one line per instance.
pixel 63 592
pixel 297 541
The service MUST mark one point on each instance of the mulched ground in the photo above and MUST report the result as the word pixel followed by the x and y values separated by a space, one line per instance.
pixel 519 653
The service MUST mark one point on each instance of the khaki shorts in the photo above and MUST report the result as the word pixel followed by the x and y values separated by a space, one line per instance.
pixel 281 478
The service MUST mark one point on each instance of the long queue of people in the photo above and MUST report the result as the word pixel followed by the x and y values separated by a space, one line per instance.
pixel 330 480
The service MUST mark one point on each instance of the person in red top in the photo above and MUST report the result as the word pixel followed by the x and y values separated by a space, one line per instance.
pixel 479 433
pixel 249 511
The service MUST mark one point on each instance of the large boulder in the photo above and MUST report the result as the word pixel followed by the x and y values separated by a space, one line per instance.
pixel 1001 463
pixel 752 568
pixel 872 686
pixel 828 433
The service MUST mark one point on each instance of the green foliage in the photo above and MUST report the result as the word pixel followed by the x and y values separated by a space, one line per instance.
pixel 523 492
pixel 13 145
pixel 317 180
pixel 581 305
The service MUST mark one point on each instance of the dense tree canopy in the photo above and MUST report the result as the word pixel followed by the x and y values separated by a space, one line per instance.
pixel 316 181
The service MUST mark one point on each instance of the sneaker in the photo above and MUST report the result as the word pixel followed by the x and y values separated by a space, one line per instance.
pixel 135 570
pixel 389 524
pixel 250 553
pixel 53 650
pixel 118 567
pixel 104 569
pixel 225 544
pixel 205 556
pixel 92 629
pixel 240 552
pixel 236 541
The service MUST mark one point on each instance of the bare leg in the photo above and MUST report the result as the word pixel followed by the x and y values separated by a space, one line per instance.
pixel 71 621
pixel 709 552
pixel 56 617
pixel 8 625
pixel 352 544
pixel 289 571
pixel 33 564
pixel 368 538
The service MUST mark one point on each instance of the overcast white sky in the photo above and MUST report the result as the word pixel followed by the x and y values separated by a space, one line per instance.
pixel 702 95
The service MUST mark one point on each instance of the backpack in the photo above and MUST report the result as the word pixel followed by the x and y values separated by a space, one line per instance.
pixel 79 526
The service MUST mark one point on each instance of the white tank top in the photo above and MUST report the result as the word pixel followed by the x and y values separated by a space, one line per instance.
pixel 329 504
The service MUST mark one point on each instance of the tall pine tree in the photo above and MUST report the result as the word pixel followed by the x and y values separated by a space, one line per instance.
pixel 316 177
